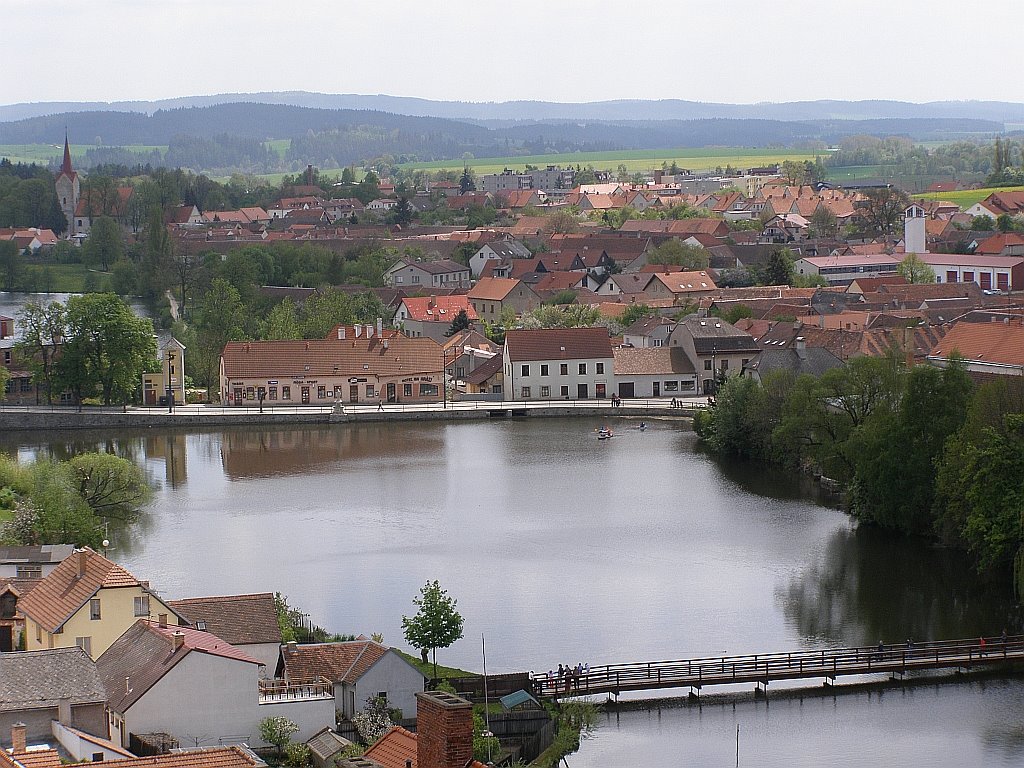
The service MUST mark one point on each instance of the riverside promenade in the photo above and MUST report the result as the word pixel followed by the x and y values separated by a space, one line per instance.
pixel 16 417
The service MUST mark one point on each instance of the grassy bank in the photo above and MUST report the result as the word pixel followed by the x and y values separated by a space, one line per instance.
pixel 60 278
pixel 965 198
pixel 427 670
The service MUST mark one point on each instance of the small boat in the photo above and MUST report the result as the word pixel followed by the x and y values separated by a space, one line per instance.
pixel 642 426
pixel 604 433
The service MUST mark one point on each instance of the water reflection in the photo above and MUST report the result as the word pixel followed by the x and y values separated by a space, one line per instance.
pixel 868 584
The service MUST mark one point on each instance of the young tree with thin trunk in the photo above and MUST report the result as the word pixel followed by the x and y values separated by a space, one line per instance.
pixel 437 624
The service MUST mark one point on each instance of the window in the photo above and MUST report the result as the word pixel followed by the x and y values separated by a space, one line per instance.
pixel 725 365
pixel 583 369
pixel 745 360
pixel 407 390
pixel 29 572
pixel 250 393
pixel 415 278
pixel 525 392
pixel 286 393
pixel 142 606
pixel 94 609
pixel 370 391
pixel 543 370
pixel 525 370
pixel 261 393
pixel 545 392
pixel 428 390
pixel 600 368
pixel 97 757
pixel 563 369
pixel 321 392
pixel 655 342
pixel 272 393
pixel 564 392
pixel 85 643
pixel 398 279
pixel 671 386
pixel 707 365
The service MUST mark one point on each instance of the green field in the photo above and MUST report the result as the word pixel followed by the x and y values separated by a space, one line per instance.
pixel 281 146
pixel 38 277
pixel 703 159
pixel 46 153
pixel 965 198
pixel 854 172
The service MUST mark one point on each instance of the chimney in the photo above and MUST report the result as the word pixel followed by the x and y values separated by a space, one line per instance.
pixel 369 331
pixel 178 640
pixel 81 560
pixel 444 727
pixel 801 348
pixel 162 619
pixel 18 738
pixel 64 710
pixel 433 302
pixel 292 646
pixel 380 326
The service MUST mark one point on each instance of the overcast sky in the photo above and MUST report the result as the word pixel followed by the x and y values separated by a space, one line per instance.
pixel 474 50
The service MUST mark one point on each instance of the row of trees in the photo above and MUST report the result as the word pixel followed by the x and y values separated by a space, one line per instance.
pixel 919 450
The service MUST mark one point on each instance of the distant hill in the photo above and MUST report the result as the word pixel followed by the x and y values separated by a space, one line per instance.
pixel 665 109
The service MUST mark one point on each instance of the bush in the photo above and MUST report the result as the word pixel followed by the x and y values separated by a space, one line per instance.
pixel 298 755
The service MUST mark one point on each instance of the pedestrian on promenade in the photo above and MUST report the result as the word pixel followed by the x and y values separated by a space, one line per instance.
pixel 380 404
pixel 981 646
pixel 881 648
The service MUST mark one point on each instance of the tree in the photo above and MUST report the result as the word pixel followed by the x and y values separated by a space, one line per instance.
pixel 11 264
pixel 563 222
pixel 282 322
pixel 634 312
pixel 42 328
pixel 1006 223
pixel 913 268
pixel 778 269
pixel 983 223
pixel 823 222
pixel 676 253
pixel 105 245
pixel 106 348
pixel 112 487
pixel 459 323
pixel 277 731
pixel 219 319
pixel 883 209
pixel 403 212
pixel 561 316
pixel 466 182
pixel 5 376
pixel 437 623
pixel 374 720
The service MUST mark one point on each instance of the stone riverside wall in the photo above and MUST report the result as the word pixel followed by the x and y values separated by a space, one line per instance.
pixel 11 421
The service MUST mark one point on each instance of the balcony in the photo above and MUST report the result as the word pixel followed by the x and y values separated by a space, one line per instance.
pixel 274 691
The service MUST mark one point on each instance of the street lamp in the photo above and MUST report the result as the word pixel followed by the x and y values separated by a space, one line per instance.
pixel 170 388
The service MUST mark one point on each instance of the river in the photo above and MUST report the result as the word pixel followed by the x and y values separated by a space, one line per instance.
pixel 563 549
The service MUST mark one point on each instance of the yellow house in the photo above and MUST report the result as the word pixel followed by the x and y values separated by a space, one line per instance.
pixel 87 601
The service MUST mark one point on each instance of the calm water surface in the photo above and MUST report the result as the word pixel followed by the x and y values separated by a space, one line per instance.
pixel 563 549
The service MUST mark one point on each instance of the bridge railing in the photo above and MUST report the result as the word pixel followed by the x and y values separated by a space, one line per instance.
pixel 824 662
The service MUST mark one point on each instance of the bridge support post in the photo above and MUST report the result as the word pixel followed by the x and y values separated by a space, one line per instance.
pixel 695 692
pixel 761 689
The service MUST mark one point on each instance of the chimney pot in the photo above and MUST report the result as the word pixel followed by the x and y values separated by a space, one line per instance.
pixel 162 619
pixel 178 639
pixel 18 738
pixel 292 646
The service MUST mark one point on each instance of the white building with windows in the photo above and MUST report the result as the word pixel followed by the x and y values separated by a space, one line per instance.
pixel 558 364
pixel 444 273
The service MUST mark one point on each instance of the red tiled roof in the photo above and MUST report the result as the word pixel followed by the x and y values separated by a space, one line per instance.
pixel 437 309
pixel 996 343
pixel 207 757
pixel 686 282
pixel 493 288
pixel 397 355
pixel 337 662
pixel 35 758
pixel 558 344
pixel 59 596
pixel 398 746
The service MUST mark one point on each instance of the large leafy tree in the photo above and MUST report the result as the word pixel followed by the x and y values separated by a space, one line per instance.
pixel 219 319
pixel 105 245
pixel 437 623
pixel 681 255
pixel 42 328
pixel 882 209
pixel 778 269
pixel 106 348
pixel 913 268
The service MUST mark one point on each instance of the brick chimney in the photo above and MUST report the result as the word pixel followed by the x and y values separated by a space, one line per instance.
pixel 18 738
pixel 444 728
pixel 178 640
pixel 81 560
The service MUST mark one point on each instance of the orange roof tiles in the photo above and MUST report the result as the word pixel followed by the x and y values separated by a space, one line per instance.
pixel 208 757
pixel 493 288
pixel 59 596
pixel 558 344
pixel 396 747
pixel 33 758
pixel 996 343
pixel 436 309
pixel 337 662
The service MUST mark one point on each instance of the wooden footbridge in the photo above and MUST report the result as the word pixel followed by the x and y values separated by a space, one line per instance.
pixel 762 669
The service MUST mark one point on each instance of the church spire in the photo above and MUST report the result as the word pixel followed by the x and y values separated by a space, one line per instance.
pixel 66 165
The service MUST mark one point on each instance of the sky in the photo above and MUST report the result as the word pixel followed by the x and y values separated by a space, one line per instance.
pixel 739 51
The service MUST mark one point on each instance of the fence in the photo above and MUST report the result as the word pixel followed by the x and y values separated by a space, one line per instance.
pixel 472 688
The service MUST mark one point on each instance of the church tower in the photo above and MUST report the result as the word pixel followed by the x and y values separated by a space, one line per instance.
pixel 68 189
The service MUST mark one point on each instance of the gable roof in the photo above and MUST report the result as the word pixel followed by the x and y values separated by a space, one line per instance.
pixel 40 679
pixel 438 309
pixel 993 343
pixel 558 344
pixel 31 758
pixel 485 370
pixel 338 662
pixel 493 288
pixel 685 282
pixel 204 757
pixel 236 619
pixel 812 360
pixel 398 746
pixel 63 592
pixel 643 361
pixel 140 657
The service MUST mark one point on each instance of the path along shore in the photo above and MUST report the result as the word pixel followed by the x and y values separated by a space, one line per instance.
pixel 24 418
